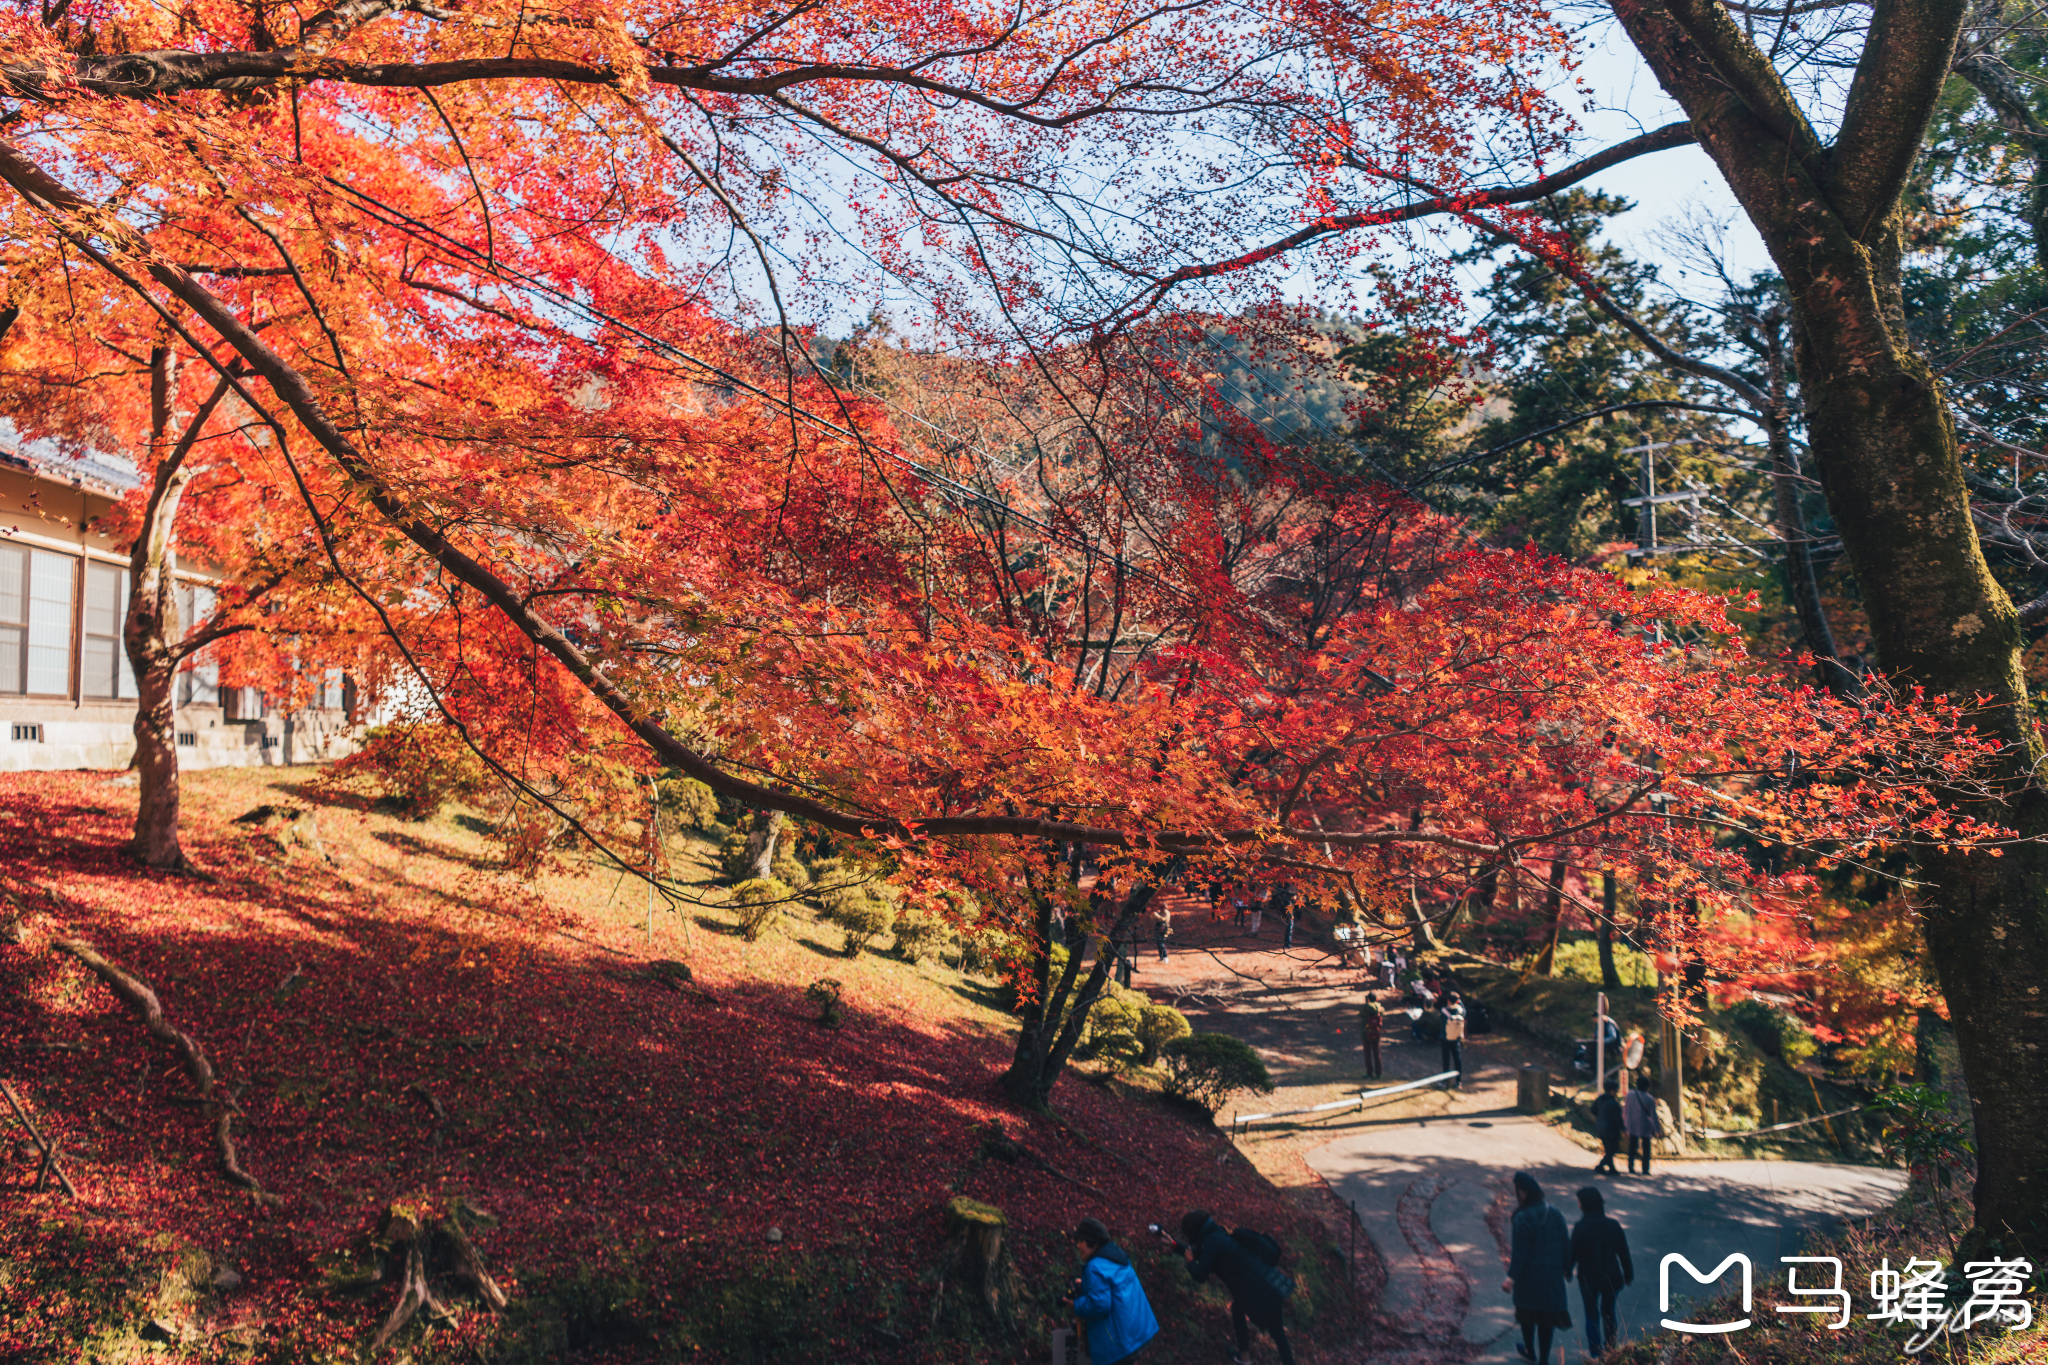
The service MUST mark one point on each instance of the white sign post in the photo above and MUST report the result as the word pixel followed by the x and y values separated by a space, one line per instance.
pixel 1600 1044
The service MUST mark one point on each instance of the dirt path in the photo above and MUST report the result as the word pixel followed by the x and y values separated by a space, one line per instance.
pixel 1428 1169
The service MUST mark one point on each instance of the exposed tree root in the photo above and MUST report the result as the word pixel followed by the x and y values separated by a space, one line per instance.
pixel 423 1247
pixel 414 1293
pixel 51 1165
pixel 143 1001
pixel 1000 1145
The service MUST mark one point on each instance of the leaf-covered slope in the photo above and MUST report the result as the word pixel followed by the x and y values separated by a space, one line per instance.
pixel 401 1024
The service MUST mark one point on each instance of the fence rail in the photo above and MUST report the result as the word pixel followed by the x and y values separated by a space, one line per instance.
pixel 1718 1136
pixel 1238 1121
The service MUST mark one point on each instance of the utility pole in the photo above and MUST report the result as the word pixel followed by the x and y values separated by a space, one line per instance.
pixel 1646 505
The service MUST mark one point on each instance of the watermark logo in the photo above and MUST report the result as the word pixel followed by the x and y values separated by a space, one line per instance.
pixel 1842 1303
pixel 1700 1329
pixel 1916 1294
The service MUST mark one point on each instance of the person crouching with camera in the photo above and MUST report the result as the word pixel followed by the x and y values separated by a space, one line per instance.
pixel 1108 1299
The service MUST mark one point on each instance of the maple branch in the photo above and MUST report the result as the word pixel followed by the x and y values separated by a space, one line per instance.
pixel 1573 421
pixel 482 203
pixel 296 393
pixel 1660 140
pixel 173 71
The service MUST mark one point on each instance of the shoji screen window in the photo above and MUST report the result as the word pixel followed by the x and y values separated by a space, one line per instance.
pixel 35 621
pixel 103 659
pixel 198 685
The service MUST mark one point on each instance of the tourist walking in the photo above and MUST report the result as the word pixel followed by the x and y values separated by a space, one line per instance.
pixel 1607 1126
pixel 1258 1289
pixel 1538 1244
pixel 1599 1253
pixel 1639 1117
pixel 1371 1016
pixel 1258 915
pixel 1454 1037
pixel 1110 1302
pixel 1162 927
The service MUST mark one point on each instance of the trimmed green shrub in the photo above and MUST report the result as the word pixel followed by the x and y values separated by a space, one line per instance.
pixel 1113 1026
pixel 758 906
pixel 824 995
pixel 1008 995
pixel 1159 1025
pixel 921 935
pixel 784 867
pixel 857 900
pixel 415 767
pixel 688 803
pixel 1208 1068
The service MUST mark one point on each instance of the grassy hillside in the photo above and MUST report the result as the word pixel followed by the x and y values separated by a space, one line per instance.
pixel 651 1167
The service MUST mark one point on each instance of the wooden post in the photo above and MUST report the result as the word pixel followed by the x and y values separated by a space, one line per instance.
pixel 1351 1262
pixel 653 848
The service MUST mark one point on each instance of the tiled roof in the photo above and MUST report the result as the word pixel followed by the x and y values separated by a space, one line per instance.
pixel 79 466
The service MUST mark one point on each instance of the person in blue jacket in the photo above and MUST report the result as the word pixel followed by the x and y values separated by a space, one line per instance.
pixel 1258 1292
pixel 1111 1302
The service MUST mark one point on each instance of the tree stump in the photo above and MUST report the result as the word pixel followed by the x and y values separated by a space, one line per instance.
pixel 978 1255
pixel 419 1246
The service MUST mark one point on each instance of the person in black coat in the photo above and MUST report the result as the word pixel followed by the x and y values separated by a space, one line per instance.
pixel 1538 1244
pixel 1258 1291
pixel 1599 1253
pixel 1607 1126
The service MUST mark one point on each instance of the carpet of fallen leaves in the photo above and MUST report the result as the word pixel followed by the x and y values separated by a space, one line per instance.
pixel 401 1022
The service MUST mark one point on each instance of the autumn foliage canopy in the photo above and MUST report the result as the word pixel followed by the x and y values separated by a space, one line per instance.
pixel 511 310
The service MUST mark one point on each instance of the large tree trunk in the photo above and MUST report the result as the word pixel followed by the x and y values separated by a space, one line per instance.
pixel 151 632
pixel 1053 1020
pixel 1889 462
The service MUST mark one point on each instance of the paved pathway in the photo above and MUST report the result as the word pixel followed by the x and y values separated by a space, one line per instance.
pixel 1424 1188
pixel 1429 1170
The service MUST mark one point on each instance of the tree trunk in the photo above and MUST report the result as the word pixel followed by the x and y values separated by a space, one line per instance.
pixel 1603 933
pixel 1553 909
pixel 1802 584
pixel 1893 473
pixel 1695 964
pixel 151 632
pixel 761 841
pixel 1888 459
pixel 1053 1022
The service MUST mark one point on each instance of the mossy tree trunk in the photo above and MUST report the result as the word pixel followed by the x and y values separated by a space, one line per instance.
pixel 1832 219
